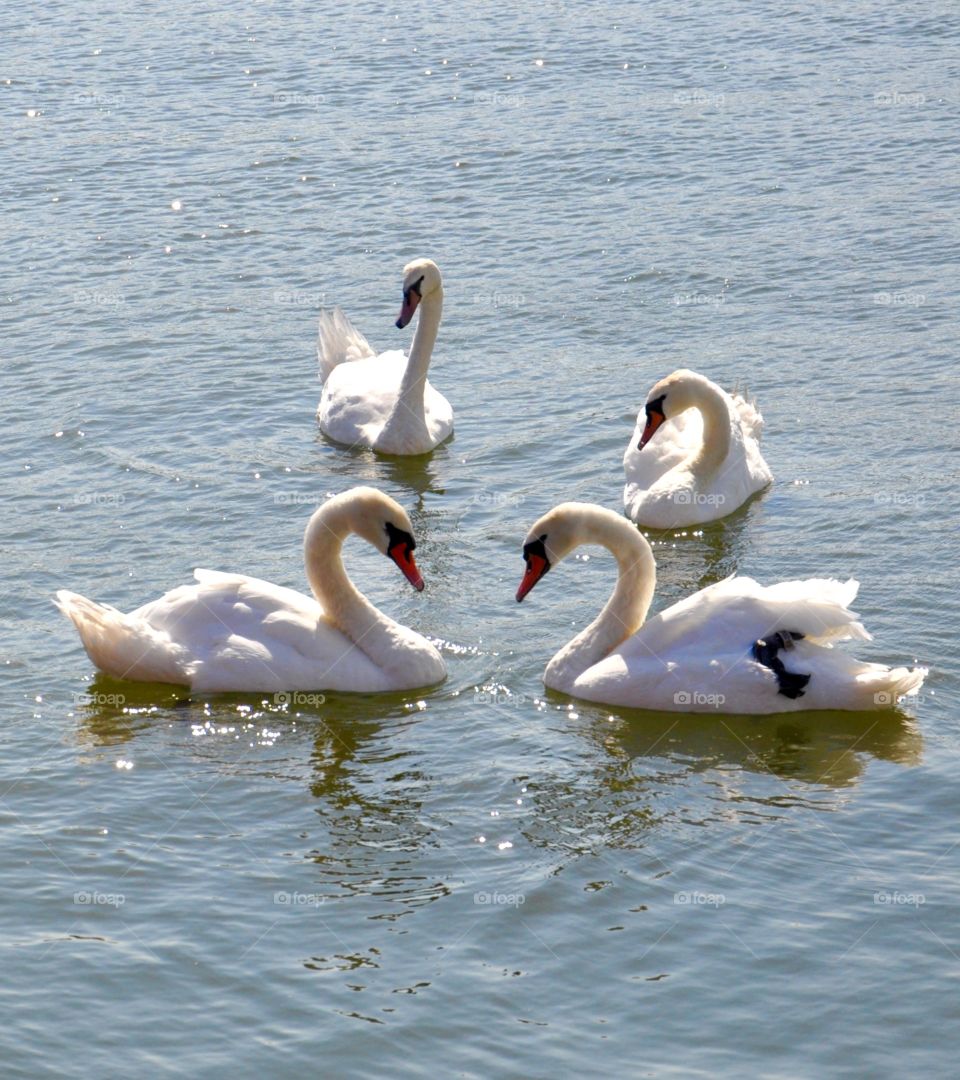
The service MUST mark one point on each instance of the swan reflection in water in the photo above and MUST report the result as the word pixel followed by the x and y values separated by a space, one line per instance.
pixel 818 748
pixel 420 474
pixel 112 712
pixel 368 834
pixel 647 769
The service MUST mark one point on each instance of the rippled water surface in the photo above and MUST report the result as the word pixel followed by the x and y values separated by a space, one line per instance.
pixel 484 879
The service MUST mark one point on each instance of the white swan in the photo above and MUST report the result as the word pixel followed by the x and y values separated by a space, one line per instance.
pixel 734 647
pixel 694 456
pixel 232 632
pixel 385 402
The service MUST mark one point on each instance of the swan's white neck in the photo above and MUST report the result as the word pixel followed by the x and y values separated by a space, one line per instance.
pixel 627 607
pixel 374 633
pixel 421 349
pixel 713 451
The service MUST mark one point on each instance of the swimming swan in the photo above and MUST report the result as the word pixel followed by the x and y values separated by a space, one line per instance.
pixel 233 632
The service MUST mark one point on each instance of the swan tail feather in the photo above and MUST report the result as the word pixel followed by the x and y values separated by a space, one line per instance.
pixel 121 645
pixel 885 686
pixel 841 681
pixel 749 414
pixel 338 342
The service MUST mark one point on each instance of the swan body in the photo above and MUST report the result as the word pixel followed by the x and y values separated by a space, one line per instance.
pixel 230 632
pixel 704 653
pixel 385 402
pixel 694 456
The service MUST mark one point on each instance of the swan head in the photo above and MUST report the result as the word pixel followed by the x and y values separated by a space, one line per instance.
pixel 670 397
pixel 379 520
pixel 551 539
pixel 420 278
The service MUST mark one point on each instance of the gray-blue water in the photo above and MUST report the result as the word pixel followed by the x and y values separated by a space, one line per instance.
pixel 202 887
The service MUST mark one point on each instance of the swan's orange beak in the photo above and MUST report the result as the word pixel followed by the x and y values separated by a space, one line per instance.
pixel 403 557
pixel 410 300
pixel 654 420
pixel 537 566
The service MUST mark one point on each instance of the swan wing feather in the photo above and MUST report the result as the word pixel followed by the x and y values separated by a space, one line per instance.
pixel 696 655
pixel 338 342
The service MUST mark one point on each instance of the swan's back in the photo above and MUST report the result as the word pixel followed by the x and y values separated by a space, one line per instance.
pixel 697 656
pixel 360 405
pixel 733 613
pixel 226 632
pixel 248 634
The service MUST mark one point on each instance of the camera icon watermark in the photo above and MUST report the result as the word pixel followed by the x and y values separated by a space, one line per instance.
pixel 293 97
pixel 497 498
pixel 694 698
pixel 498 697
pixel 299 899
pixel 501 299
pixel 899 97
pixel 499 99
pixel 99 498
pixel 700 99
pixel 903 298
pixel 299 298
pixel 894 898
pixel 698 299
pixel 699 899
pixel 499 899
pixel 100 99
pixel 296 698
pixel 297 498
pixel 98 700
pixel 909 499
pixel 93 898
pixel 99 298
pixel 698 498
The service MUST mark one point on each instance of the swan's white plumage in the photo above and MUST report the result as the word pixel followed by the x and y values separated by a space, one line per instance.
pixel 696 656
pixel 384 401
pixel 338 342
pixel 361 396
pixel 664 488
pixel 699 651
pixel 230 632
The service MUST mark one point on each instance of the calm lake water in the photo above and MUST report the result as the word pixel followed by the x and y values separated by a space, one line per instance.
pixel 481 880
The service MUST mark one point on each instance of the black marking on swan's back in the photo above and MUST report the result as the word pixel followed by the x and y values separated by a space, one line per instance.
pixel 789 683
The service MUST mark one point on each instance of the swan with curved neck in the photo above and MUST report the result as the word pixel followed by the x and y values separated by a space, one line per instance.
pixel 733 647
pixel 386 402
pixel 233 632
pixel 695 455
